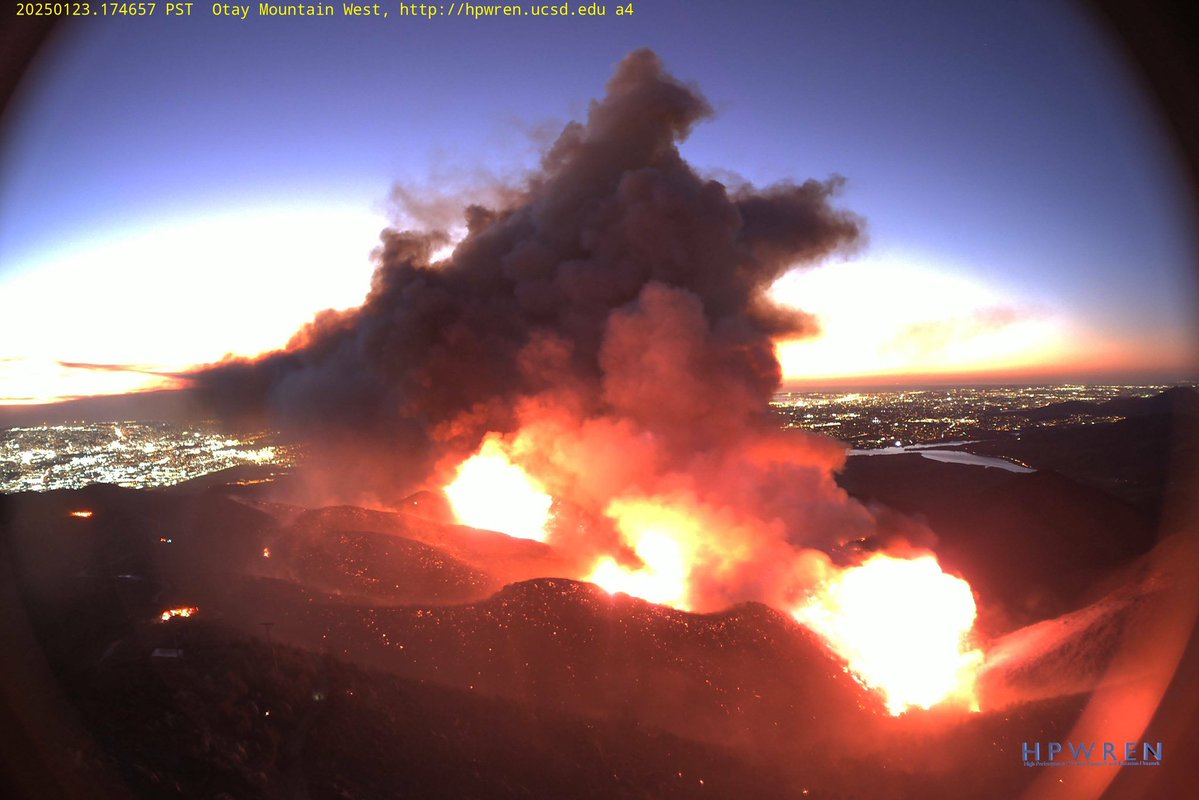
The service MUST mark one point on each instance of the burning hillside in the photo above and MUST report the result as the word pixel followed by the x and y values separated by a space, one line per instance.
pixel 391 656
pixel 592 366
pixel 902 625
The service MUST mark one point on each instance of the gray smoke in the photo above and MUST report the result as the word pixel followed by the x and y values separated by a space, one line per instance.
pixel 616 284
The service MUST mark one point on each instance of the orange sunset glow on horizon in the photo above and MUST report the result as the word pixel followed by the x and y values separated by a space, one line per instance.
pixel 883 321
pixel 880 322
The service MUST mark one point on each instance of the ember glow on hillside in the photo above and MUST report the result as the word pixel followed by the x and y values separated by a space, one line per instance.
pixel 180 612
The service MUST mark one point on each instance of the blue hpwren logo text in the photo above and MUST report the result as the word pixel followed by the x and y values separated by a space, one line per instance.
pixel 1124 754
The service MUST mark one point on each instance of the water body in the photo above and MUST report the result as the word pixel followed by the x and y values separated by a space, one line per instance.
pixel 947 456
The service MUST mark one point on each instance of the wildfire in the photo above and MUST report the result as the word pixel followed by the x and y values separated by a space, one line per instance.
pixel 661 538
pixel 902 627
pixel 182 611
pixel 492 493
pixel 84 514
pixel 901 624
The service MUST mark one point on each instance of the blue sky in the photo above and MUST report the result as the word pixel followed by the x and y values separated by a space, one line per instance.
pixel 1002 149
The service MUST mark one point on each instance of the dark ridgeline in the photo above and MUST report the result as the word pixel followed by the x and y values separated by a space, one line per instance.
pixel 1139 457
pixel 393 668
pixel 397 666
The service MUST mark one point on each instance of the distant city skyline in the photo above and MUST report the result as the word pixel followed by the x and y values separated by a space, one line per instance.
pixel 172 191
pixel 40 456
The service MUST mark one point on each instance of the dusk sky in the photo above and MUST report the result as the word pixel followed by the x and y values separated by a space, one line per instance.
pixel 173 190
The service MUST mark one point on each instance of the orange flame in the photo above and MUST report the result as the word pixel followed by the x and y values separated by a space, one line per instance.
pixel 84 514
pixel 663 539
pixel 901 624
pixel 492 493
pixel 182 611
pixel 902 627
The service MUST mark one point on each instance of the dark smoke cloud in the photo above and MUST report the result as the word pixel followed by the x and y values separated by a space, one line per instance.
pixel 616 285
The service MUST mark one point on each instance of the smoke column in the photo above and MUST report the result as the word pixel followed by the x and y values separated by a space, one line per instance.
pixel 609 323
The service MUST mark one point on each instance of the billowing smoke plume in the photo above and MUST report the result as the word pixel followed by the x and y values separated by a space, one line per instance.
pixel 610 323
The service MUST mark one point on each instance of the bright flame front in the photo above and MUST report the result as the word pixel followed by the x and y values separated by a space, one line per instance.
pixel 182 611
pixel 902 627
pixel 492 493
pixel 901 624
pixel 667 539
pixel 662 579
